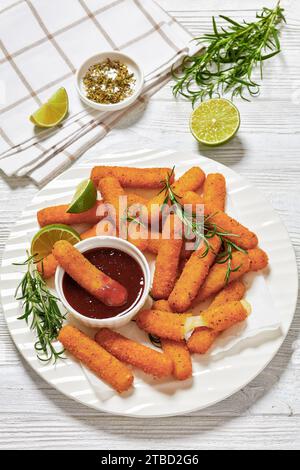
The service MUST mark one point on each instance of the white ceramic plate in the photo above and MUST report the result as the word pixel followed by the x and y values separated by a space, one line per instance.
pixel 216 376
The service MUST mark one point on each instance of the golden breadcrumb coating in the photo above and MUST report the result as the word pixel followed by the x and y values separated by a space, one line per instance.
pixel 92 355
pixel 224 316
pixel 163 324
pixel 126 350
pixel 148 178
pixel 241 235
pixel 193 275
pixel 214 191
pixel 88 276
pixel 167 261
pixel 216 279
pixel 58 215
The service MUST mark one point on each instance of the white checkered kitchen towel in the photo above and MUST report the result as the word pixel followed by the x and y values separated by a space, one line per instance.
pixel 42 44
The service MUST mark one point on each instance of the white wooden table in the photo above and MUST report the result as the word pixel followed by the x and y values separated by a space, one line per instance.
pixel 266 414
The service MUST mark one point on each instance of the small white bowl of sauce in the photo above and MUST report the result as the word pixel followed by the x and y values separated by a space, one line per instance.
pixel 109 81
pixel 120 260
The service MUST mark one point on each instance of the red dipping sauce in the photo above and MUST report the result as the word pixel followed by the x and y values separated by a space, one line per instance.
pixel 119 266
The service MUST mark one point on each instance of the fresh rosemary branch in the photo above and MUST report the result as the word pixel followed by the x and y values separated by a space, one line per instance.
pixel 193 227
pixel 230 58
pixel 202 232
pixel 41 310
pixel 135 220
pixel 225 256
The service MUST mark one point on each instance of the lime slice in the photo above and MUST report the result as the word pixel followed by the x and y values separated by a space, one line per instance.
pixel 53 112
pixel 215 121
pixel 44 240
pixel 84 198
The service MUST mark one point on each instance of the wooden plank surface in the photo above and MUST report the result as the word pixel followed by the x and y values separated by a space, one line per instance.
pixel 267 412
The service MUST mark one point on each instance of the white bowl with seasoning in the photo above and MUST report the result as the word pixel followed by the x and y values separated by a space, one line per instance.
pixel 130 268
pixel 136 84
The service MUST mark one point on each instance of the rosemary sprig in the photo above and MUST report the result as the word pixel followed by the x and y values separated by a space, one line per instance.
pixel 40 310
pixel 193 226
pixel 231 55
pixel 203 232
pixel 225 256
pixel 136 220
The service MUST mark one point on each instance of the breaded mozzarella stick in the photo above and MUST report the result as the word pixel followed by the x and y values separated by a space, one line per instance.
pixel 126 350
pixel 180 356
pixel 162 305
pixel 90 278
pixel 176 350
pixel 258 259
pixel 193 275
pixel 191 180
pixel 241 235
pixel 216 279
pixel 48 265
pixel 167 260
pixel 203 338
pixel 148 178
pixel 214 190
pixel 102 363
pixel 113 194
pixel 163 324
pixel 235 290
pixel 176 326
pixel 58 215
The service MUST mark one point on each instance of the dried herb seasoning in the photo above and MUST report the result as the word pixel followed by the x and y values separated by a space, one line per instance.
pixel 108 82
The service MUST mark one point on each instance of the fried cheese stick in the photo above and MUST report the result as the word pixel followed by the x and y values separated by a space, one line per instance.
pixel 176 350
pixel 167 260
pixel 216 279
pixel 113 194
pixel 92 355
pixel 176 326
pixel 193 275
pixel 126 350
pixel 147 178
pixel 104 227
pixel 255 260
pixel 90 278
pixel 214 191
pixel 203 338
pixel 162 305
pixel 258 259
pixel 163 324
pixel 180 357
pixel 191 180
pixel 235 290
pixel 154 244
pixel 241 235
pixel 48 265
pixel 58 215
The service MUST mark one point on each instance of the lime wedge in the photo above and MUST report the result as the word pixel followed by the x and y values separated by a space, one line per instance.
pixel 53 112
pixel 215 121
pixel 43 241
pixel 84 198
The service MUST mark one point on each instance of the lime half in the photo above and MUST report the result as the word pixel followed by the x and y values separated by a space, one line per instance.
pixel 53 112
pixel 84 198
pixel 215 121
pixel 43 241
